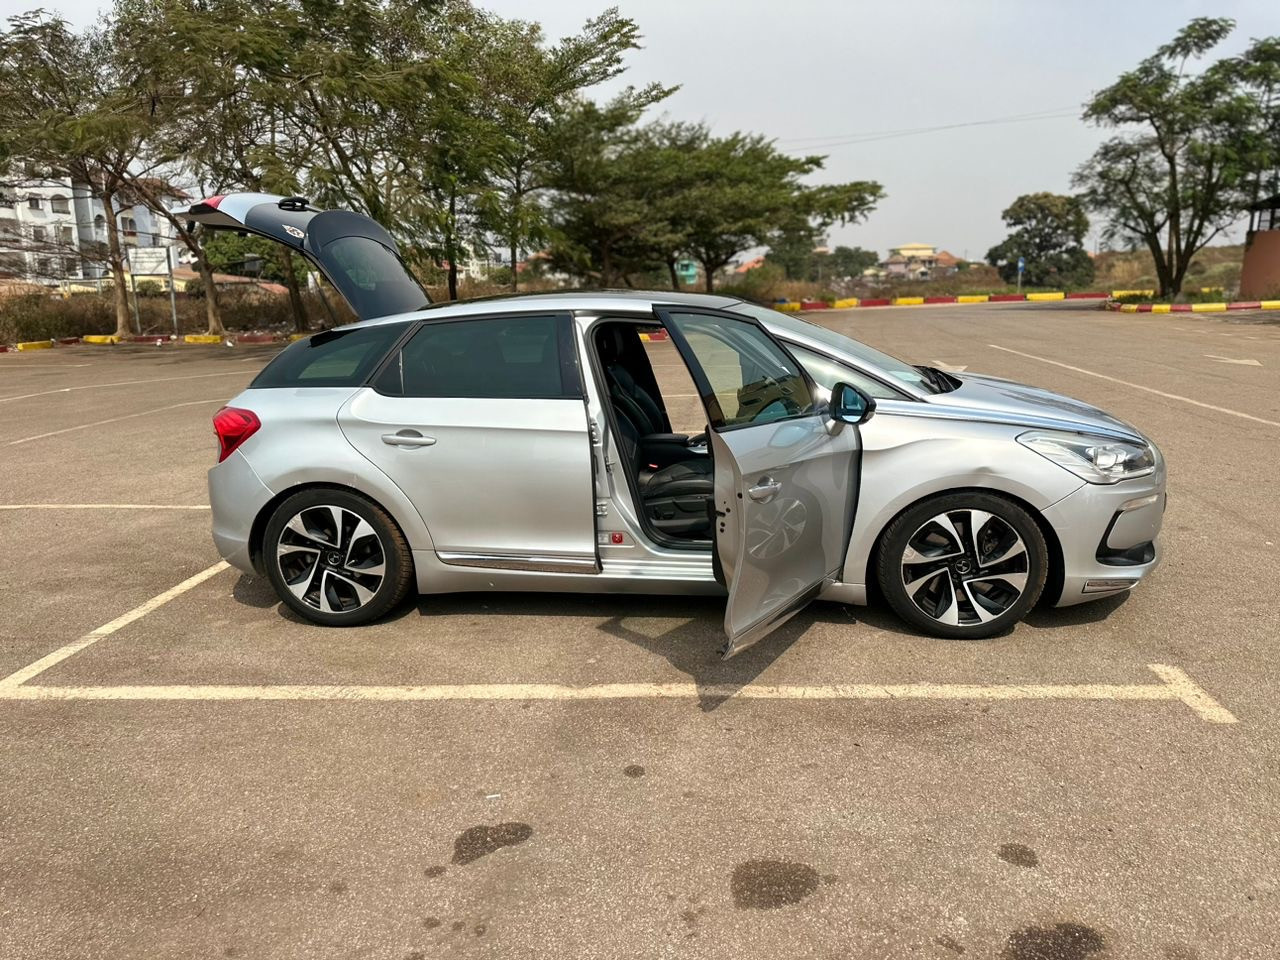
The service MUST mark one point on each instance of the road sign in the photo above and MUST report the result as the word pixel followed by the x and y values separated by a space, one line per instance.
pixel 152 262
pixel 1022 264
pixel 149 261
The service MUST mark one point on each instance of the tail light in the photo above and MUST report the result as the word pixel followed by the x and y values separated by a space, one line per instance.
pixel 233 427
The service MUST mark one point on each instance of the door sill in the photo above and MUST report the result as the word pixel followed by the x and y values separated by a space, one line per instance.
pixel 521 561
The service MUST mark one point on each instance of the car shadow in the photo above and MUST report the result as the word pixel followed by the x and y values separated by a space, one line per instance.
pixel 1094 611
pixel 692 647
pixel 257 592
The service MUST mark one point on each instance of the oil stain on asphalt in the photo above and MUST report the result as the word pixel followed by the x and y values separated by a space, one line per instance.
pixel 483 840
pixel 1062 941
pixel 769 884
pixel 1018 855
pixel 634 771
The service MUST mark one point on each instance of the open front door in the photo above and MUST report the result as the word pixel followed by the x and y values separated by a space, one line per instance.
pixel 354 253
pixel 785 471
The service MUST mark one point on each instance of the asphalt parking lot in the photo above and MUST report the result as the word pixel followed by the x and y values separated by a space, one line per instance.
pixel 194 772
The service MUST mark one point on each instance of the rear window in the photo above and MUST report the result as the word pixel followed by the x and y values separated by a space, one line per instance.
pixel 372 278
pixel 334 358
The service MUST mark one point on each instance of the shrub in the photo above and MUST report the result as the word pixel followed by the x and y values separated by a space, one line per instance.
pixel 41 316
pixel 765 284
pixel 148 288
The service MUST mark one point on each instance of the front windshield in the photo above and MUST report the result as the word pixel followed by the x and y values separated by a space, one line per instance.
pixel 881 362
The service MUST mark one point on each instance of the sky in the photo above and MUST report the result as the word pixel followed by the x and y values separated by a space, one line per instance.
pixel 811 73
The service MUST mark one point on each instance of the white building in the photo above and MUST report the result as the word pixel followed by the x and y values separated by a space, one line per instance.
pixel 53 232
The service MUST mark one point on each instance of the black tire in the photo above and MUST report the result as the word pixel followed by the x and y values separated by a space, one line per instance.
pixel 340 579
pixel 983 580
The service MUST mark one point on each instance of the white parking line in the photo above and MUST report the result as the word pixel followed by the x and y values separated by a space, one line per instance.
pixel 12 682
pixel 1177 686
pixel 1243 363
pixel 102 506
pixel 1138 386
pixel 103 423
pixel 122 383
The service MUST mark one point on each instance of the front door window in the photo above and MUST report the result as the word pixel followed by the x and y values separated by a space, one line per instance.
pixel 746 378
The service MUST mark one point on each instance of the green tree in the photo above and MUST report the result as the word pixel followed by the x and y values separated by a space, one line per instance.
pixel 213 109
pixel 234 253
pixel 1047 230
pixel 63 106
pixel 526 86
pixel 748 193
pixel 1197 147
pixel 631 200
pixel 849 262
pixel 602 209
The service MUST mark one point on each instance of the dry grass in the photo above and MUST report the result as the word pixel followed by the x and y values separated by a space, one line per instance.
pixel 48 315
pixel 1136 270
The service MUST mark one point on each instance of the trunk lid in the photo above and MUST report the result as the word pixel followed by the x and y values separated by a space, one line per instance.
pixel 354 253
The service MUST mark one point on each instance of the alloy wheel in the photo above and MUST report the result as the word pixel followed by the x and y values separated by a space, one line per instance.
pixel 331 559
pixel 965 567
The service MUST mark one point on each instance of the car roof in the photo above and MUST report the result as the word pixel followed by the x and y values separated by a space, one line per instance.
pixel 584 300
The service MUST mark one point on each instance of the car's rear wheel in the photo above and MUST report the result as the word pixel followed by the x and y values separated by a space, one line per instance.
pixel 963 565
pixel 336 558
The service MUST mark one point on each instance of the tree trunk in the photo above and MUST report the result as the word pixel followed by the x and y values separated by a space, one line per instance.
pixel 517 221
pixel 710 274
pixel 1163 277
pixel 295 294
pixel 606 266
pixel 452 246
pixel 675 278
pixel 514 240
pixel 115 262
pixel 515 276
pixel 1179 275
pixel 210 296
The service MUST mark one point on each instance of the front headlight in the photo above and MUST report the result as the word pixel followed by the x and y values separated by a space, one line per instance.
pixel 1092 458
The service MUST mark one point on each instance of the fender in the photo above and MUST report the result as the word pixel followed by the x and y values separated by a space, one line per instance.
pixel 908 458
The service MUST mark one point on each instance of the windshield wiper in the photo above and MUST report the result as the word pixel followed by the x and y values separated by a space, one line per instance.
pixel 935 378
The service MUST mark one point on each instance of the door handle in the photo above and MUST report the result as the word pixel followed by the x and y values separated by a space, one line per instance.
pixel 765 489
pixel 407 438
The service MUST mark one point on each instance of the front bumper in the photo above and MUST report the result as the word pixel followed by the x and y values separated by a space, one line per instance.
pixel 236 496
pixel 1108 535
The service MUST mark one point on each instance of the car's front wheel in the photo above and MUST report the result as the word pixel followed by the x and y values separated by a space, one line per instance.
pixel 336 558
pixel 963 565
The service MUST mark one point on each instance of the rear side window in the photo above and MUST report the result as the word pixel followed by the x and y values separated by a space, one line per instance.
pixel 334 358
pixel 503 357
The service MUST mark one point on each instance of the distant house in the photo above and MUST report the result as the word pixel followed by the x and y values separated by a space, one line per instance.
pixel 918 261
pixel 947 263
pixel 911 261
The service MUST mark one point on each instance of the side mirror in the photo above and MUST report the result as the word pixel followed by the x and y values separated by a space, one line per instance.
pixel 850 405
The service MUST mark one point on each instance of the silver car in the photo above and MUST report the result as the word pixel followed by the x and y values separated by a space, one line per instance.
pixel 527 443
